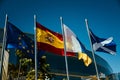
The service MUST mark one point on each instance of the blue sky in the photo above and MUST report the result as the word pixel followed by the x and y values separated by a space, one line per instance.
pixel 103 18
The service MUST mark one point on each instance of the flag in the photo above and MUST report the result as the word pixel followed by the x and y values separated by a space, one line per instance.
pixel 86 59
pixel 50 41
pixel 18 40
pixel 102 45
pixel 74 45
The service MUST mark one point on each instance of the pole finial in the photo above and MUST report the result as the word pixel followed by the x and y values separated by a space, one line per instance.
pixel 85 19
pixel 60 17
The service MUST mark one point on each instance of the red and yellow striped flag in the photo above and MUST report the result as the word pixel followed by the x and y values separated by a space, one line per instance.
pixel 50 41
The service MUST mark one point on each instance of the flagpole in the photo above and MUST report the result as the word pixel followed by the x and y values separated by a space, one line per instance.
pixel 66 63
pixel 35 47
pixel 92 49
pixel 3 46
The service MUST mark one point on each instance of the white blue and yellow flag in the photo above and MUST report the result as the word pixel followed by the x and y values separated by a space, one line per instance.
pixel 74 45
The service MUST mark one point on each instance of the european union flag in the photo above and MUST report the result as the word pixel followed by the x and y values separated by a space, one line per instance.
pixel 103 45
pixel 18 40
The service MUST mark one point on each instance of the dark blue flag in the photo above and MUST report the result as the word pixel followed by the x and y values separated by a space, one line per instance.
pixel 18 40
pixel 102 45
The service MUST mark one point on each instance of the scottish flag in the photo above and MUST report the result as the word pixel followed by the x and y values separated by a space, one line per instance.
pixel 102 45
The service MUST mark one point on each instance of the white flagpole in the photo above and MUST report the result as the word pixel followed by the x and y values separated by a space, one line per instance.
pixel 3 46
pixel 92 49
pixel 64 48
pixel 35 47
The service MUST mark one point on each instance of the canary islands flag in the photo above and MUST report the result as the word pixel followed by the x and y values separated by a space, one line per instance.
pixel 74 45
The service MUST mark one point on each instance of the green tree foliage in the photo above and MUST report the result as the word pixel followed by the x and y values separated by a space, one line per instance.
pixel 25 67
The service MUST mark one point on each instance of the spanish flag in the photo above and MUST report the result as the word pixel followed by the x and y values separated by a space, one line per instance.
pixel 50 41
